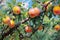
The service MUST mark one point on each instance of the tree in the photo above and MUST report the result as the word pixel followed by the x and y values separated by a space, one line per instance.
pixel 39 22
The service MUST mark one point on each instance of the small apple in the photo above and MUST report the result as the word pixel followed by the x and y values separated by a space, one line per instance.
pixel 40 27
pixel 6 20
pixel 11 24
pixel 28 29
pixel 16 10
pixel 57 27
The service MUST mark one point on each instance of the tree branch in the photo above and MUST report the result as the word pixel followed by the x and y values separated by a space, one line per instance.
pixel 11 29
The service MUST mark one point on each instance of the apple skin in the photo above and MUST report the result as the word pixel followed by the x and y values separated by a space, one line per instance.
pixel 56 10
pixel 16 10
pixel 57 27
pixel 37 11
pixel 34 12
pixel 6 20
pixel 28 29
pixel 11 24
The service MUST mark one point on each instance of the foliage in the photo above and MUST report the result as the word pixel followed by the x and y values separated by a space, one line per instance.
pixel 46 18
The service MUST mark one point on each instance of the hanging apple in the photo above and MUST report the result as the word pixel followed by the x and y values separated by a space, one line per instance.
pixel 11 24
pixel 6 20
pixel 57 27
pixel 37 11
pixel 33 12
pixel 16 10
pixel 28 29
pixel 56 10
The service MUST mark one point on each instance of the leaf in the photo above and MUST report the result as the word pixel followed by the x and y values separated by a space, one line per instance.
pixel 13 1
pixel 46 20
pixel 43 0
pixel 59 1
pixel 10 4
pixel 19 3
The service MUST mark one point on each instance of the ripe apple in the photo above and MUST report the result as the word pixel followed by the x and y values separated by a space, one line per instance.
pixel 33 12
pixel 6 20
pixel 28 29
pixel 37 11
pixel 57 27
pixel 56 10
pixel 16 10
pixel 11 24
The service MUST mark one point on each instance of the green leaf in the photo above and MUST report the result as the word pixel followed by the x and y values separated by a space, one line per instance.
pixel 46 19
pixel 14 1
pixel 19 3
pixel 43 0
pixel 10 4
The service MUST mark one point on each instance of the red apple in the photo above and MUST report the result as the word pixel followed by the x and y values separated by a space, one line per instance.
pixel 28 29
pixel 34 12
